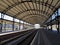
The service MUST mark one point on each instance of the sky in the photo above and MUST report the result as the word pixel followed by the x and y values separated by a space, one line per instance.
pixel 37 26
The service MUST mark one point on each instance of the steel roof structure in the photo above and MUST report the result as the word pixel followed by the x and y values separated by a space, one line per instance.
pixel 32 11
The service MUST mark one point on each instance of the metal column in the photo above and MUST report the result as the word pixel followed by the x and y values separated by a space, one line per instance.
pixel 47 28
pixel 58 25
pixel 5 26
pixel 51 27
pixel 13 25
pixel 57 22
pixel 23 25
pixel 1 24
pixel 19 24
pixel 51 23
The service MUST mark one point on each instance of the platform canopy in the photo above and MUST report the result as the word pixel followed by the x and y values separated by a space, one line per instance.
pixel 32 11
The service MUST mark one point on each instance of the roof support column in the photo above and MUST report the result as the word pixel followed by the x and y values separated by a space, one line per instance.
pixel 19 24
pixel 5 26
pixel 1 24
pixel 23 25
pixel 58 22
pixel 13 25
pixel 51 23
pixel 51 27
pixel 47 27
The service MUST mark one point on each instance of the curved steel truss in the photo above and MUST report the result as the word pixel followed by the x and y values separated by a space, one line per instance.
pixel 36 10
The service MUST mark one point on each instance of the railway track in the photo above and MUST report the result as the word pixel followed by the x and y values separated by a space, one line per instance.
pixel 19 38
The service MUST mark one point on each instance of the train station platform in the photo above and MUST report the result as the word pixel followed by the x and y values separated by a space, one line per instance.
pixel 29 22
